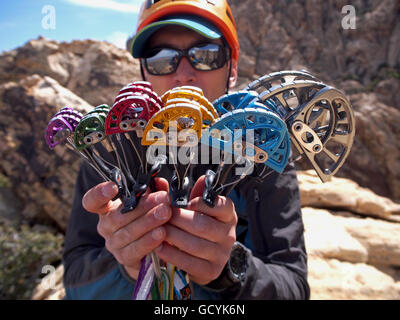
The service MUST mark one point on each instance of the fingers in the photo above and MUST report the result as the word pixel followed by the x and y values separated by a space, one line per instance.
pixel 198 188
pixel 193 245
pixel 114 220
pixel 139 227
pixel 200 270
pixel 224 209
pixel 161 184
pixel 132 254
pixel 130 236
pixel 199 238
pixel 199 224
pixel 97 200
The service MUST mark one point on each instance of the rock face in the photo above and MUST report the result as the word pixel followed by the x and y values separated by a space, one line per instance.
pixel 41 178
pixel 285 35
pixel 350 257
pixel 344 194
pixel 374 161
pixel 281 35
pixel 351 237
pixel 332 279
pixel 51 287
pixel 93 70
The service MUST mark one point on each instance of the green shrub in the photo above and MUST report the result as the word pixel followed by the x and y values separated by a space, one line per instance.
pixel 4 181
pixel 24 251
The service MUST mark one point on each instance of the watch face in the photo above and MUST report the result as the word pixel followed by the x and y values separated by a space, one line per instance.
pixel 238 262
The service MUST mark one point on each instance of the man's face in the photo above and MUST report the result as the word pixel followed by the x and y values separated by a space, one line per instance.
pixel 213 83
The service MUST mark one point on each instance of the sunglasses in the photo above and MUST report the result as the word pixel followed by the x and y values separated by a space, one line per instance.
pixel 202 57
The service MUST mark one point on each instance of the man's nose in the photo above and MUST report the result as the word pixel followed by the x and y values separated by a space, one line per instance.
pixel 184 74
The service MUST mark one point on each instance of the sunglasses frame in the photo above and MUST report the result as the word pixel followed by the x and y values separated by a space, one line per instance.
pixel 185 53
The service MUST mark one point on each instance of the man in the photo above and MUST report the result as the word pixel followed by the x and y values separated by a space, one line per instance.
pixel 103 248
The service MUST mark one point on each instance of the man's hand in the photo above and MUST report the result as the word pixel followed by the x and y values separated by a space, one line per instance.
pixel 199 239
pixel 131 236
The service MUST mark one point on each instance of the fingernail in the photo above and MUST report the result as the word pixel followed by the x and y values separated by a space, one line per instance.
pixel 162 197
pixel 157 234
pixel 220 202
pixel 161 213
pixel 109 190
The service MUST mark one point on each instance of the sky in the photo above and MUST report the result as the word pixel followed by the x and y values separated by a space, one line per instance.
pixel 66 20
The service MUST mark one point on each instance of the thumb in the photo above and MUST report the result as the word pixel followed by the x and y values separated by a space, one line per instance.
pixel 158 184
pixel 198 188
pixel 161 184
pixel 97 199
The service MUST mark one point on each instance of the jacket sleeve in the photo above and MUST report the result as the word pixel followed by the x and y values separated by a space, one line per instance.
pixel 277 267
pixel 90 271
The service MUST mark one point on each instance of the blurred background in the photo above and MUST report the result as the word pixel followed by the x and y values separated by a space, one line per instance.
pixel 70 52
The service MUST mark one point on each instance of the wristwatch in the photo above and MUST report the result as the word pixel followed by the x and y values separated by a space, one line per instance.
pixel 237 263
pixel 235 269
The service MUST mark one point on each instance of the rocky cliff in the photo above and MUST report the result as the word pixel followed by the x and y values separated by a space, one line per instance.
pixel 46 75
pixel 364 62
pixel 352 223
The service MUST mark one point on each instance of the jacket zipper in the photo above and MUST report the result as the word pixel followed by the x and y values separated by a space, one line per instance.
pixel 256 195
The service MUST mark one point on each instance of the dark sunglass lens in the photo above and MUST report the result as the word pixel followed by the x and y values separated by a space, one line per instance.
pixel 207 57
pixel 162 61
